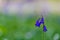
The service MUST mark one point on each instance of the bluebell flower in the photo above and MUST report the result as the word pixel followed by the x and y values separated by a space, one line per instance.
pixel 42 20
pixel 39 22
pixel 44 28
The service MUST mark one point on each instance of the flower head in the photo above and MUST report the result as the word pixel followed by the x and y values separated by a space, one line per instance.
pixel 42 20
pixel 38 23
pixel 44 28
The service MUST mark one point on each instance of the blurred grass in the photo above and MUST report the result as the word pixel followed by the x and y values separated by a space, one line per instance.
pixel 14 27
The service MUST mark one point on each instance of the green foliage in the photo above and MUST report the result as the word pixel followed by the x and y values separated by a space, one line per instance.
pixel 13 27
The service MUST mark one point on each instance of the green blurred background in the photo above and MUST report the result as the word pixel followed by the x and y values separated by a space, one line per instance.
pixel 14 27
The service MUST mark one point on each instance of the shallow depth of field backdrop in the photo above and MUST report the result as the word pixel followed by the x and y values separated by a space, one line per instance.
pixel 18 17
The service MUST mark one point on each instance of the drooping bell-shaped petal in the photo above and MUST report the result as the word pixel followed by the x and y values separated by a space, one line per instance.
pixel 38 23
pixel 44 28
pixel 42 20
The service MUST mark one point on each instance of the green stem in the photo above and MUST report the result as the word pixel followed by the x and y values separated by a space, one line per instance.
pixel 43 35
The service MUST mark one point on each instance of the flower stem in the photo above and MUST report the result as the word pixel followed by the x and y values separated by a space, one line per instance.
pixel 43 35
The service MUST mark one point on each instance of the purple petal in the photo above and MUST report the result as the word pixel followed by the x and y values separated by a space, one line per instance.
pixel 42 19
pixel 44 28
pixel 38 24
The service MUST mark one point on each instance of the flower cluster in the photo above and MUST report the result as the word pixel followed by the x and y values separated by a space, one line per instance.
pixel 39 22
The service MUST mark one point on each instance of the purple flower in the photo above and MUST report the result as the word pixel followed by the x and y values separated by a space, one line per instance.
pixel 42 20
pixel 44 28
pixel 39 22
